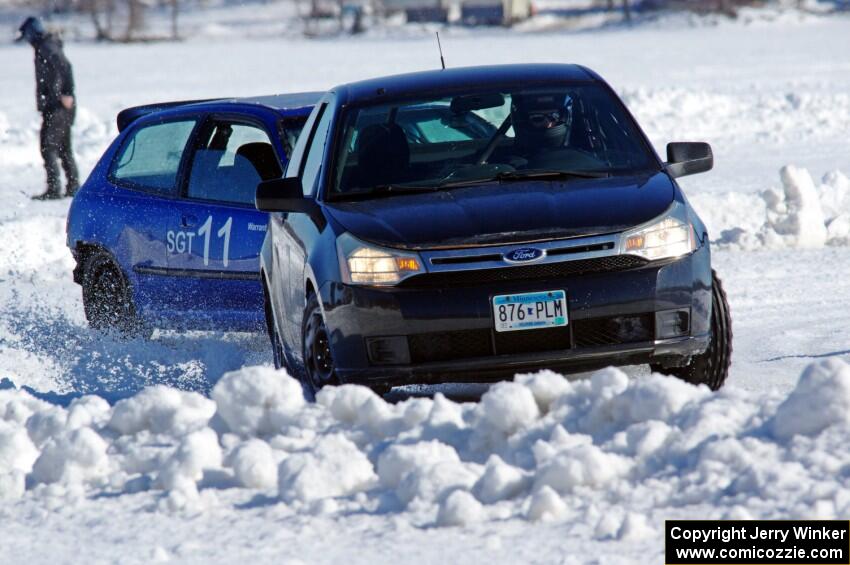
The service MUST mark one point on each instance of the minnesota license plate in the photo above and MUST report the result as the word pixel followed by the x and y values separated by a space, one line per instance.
pixel 530 311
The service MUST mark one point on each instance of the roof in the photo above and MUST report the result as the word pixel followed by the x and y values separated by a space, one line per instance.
pixel 460 78
pixel 282 101
pixel 278 102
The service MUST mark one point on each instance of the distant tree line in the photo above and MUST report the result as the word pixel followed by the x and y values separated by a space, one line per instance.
pixel 113 20
pixel 124 20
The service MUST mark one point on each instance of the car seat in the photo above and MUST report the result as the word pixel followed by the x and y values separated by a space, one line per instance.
pixel 383 156
pixel 262 156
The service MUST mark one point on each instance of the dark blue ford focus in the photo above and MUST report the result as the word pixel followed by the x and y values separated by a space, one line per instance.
pixel 467 224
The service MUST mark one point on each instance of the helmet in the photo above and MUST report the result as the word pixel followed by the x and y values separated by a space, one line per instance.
pixel 32 30
pixel 542 119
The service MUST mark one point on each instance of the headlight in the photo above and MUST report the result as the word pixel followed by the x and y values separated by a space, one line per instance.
pixel 364 263
pixel 667 237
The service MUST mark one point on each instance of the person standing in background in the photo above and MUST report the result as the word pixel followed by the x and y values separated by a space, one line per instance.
pixel 55 99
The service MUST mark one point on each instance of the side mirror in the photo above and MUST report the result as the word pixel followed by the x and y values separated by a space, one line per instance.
pixel 688 158
pixel 282 195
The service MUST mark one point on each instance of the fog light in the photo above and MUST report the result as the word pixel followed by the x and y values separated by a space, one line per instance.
pixel 391 350
pixel 672 323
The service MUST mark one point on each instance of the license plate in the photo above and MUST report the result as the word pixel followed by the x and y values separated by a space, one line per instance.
pixel 530 311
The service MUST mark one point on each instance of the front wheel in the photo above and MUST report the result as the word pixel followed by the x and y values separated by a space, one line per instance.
pixel 318 361
pixel 278 353
pixel 710 368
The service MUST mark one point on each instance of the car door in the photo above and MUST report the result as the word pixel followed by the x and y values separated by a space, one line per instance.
pixel 147 168
pixel 289 230
pixel 216 233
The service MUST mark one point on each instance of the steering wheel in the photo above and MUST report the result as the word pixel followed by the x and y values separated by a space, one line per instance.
pixel 494 141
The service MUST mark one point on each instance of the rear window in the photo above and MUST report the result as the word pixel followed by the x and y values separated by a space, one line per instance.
pixel 151 156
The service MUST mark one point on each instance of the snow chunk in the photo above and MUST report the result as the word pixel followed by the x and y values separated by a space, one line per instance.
pixel 88 411
pixel 17 452
pixel 254 464
pixel 72 458
pixel 333 467
pixel 197 451
pixel 257 400
pixel 163 410
pixel 500 481
pixel 656 397
pixel 434 482
pixel 12 485
pixel 347 403
pixel 546 505
pixel 17 406
pixel 360 406
pixel 399 460
pixel 459 509
pixel 800 215
pixel 545 386
pixel 820 399
pixel 583 465
pixel 635 527
pixel 508 407
pixel 46 424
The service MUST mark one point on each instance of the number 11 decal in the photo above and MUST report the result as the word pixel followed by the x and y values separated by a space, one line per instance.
pixel 223 232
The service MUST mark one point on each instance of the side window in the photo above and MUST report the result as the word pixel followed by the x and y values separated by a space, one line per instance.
pixel 289 130
pixel 313 164
pixel 150 157
pixel 230 162
pixel 297 155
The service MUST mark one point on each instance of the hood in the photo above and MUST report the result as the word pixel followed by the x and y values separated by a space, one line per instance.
pixel 507 213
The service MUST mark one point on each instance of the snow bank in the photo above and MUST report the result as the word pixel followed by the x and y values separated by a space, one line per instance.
pixel 801 214
pixel 727 116
pixel 609 451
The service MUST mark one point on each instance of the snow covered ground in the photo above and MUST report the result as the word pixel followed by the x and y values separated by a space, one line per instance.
pixel 541 471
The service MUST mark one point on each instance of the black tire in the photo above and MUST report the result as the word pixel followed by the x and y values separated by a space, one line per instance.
pixel 318 361
pixel 381 390
pixel 278 354
pixel 108 299
pixel 712 367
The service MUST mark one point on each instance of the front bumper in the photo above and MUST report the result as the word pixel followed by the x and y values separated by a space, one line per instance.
pixel 444 333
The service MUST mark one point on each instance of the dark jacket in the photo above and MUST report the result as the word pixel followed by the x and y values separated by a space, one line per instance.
pixel 53 75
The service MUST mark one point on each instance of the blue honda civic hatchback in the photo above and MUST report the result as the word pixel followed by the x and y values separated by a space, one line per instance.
pixel 164 231
pixel 527 223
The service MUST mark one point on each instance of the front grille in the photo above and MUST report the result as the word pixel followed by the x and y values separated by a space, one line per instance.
pixel 614 330
pixel 449 346
pixel 594 332
pixel 532 341
pixel 528 272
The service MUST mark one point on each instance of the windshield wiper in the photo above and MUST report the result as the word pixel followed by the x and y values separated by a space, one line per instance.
pixel 553 175
pixel 449 182
pixel 509 176
pixel 387 190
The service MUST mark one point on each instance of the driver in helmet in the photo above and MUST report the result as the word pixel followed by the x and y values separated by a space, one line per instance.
pixel 541 123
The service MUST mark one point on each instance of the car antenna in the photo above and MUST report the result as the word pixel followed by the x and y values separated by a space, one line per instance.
pixel 440 47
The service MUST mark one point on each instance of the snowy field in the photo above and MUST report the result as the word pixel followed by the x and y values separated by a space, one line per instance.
pixel 220 461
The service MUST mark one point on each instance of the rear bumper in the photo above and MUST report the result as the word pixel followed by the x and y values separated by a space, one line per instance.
pixel 456 325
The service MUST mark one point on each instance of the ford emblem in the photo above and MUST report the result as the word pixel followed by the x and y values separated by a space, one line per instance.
pixel 524 255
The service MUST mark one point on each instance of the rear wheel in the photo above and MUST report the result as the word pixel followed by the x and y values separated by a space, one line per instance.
pixel 107 297
pixel 712 367
pixel 318 362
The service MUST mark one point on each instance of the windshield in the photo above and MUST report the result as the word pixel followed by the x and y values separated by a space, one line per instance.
pixel 443 141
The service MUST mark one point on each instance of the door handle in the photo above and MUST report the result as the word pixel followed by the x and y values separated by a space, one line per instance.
pixel 188 221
